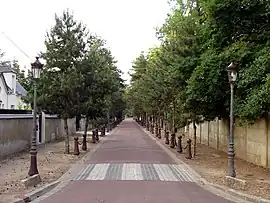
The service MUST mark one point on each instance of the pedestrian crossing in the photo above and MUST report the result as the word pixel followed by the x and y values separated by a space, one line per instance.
pixel 134 171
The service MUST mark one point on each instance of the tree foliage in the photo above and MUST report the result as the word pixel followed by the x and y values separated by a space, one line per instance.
pixel 187 70
pixel 80 75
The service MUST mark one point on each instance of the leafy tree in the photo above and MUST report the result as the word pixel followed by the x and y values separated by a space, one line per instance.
pixel 185 77
pixel 65 49
pixel 100 81
pixel 19 73
pixel 231 30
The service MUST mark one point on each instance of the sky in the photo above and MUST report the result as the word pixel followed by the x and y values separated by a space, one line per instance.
pixel 128 26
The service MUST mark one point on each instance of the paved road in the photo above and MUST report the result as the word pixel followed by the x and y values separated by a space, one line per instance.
pixel 129 168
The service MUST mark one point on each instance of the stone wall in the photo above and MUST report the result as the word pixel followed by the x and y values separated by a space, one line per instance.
pixel 16 131
pixel 71 127
pixel 15 135
pixel 52 129
pixel 252 142
pixel 82 125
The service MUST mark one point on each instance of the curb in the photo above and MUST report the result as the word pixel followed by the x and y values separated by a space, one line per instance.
pixel 214 188
pixel 51 188
pixel 250 198
pixel 197 177
pixel 37 193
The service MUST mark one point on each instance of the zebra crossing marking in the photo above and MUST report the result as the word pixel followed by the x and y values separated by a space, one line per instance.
pixel 134 171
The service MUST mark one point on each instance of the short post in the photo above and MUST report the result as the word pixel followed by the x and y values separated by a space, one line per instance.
pixel 96 134
pixel 167 134
pixel 76 146
pixel 152 128
pixel 172 145
pixel 111 126
pixel 93 136
pixel 159 133
pixel 188 148
pixel 180 149
pixel 103 131
pixel 156 130
pixel 84 144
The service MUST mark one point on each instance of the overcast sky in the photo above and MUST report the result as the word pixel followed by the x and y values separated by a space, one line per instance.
pixel 127 25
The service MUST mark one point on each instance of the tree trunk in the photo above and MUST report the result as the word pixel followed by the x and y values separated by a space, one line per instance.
pixel 174 125
pixel 144 119
pixel 162 123
pixel 78 118
pixel 108 121
pixel 84 143
pixel 165 124
pixel 156 125
pixel 195 138
pixel 67 136
pixel 152 124
pixel 173 118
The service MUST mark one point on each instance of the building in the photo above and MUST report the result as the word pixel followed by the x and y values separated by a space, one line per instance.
pixel 11 91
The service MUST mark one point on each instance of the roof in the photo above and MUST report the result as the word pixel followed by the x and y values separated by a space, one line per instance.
pixel 6 68
pixel 20 89
pixel 8 89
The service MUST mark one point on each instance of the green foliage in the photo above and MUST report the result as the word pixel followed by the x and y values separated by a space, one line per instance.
pixel 20 107
pixel 188 70
pixel 80 75
pixel 65 48
pixel 27 107
pixel 101 82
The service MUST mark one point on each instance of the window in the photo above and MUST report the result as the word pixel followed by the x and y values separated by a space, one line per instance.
pixel 12 106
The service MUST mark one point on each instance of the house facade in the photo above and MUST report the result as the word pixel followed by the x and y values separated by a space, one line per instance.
pixel 11 91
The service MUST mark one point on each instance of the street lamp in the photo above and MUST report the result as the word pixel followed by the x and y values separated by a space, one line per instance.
pixel 36 70
pixel 232 75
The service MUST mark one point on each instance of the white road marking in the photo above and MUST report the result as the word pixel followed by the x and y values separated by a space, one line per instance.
pixel 132 171
pixel 98 172
pixel 165 173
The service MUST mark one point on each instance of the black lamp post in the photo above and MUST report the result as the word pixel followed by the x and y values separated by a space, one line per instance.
pixel 232 75
pixel 36 70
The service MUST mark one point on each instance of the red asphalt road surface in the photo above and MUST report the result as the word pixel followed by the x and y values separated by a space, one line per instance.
pixel 129 144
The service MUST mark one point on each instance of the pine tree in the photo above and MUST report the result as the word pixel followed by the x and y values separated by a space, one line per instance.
pixel 65 49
